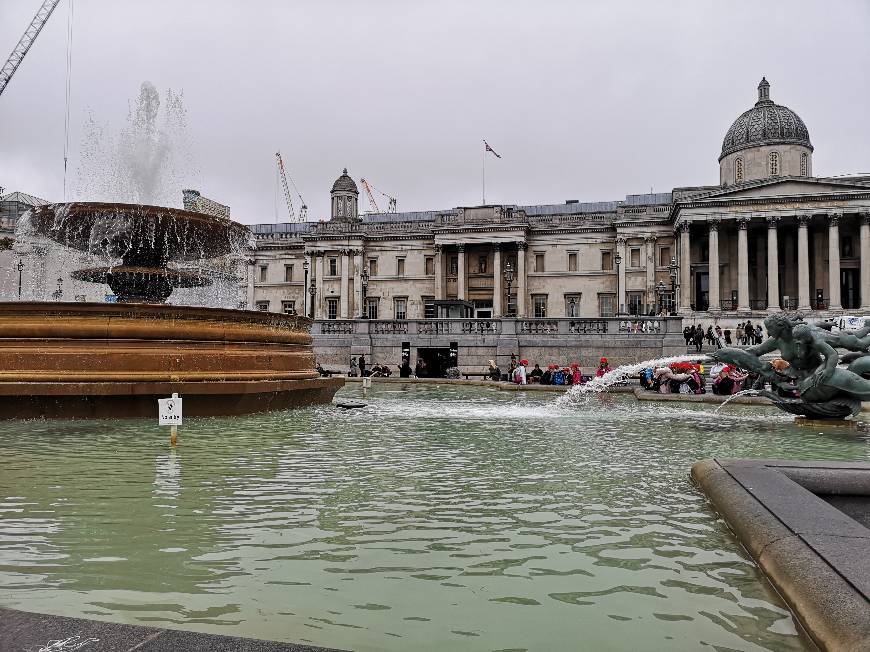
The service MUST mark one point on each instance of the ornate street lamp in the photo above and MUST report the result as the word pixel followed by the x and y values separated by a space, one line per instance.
pixel 364 284
pixel 618 260
pixel 312 291
pixel 58 293
pixel 508 279
pixel 304 283
pixel 20 268
pixel 661 288
pixel 572 307
pixel 672 271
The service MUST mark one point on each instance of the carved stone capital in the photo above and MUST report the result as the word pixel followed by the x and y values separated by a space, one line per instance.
pixel 772 221
pixel 682 227
pixel 834 219
pixel 742 223
pixel 865 217
pixel 620 240
pixel 803 221
pixel 522 246
pixel 460 248
pixel 714 222
pixel 650 239
pixel 438 248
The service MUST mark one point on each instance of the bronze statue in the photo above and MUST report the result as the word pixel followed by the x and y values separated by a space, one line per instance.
pixel 813 384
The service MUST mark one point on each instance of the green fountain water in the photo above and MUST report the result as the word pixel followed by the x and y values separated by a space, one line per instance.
pixel 448 518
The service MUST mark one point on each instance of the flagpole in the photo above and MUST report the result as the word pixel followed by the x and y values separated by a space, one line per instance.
pixel 483 194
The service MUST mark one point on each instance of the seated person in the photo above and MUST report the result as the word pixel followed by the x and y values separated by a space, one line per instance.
pixel 386 372
pixel 536 374
pixel 323 372
pixel 547 376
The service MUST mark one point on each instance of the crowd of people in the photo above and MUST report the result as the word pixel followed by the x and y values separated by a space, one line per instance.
pixel 745 333
pixel 694 378
pixel 519 373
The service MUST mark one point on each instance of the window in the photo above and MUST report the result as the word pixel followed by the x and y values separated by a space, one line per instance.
pixel 773 163
pixel 372 307
pixel 847 246
pixel 288 307
pixel 605 305
pixel 430 266
pixel 606 260
pixel 635 303
pixel 572 262
pixel 539 262
pixel 664 256
pixel 540 303
pixel 428 307
pixel 454 265
pixel 288 273
pixel 333 267
pixel 332 308
pixel 738 170
pixel 340 206
pixel 804 164
pixel 263 305
pixel 373 266
pixel 634 257
pixel 264 270
pixel 400 308
pixel 704 250
pixel 572 305
pixel 400 266
pixel 481 264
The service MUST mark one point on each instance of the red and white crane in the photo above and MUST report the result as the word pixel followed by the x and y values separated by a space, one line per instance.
pixel 391 201
pixel 24 43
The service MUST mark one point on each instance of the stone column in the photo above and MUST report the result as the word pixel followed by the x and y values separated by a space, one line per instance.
pixel 834 261
pixel 521 279
pixel 650 251
pixel 742 265
pixel 460 273
pixel 251 271
pixel 865 261
pixel 772 265
pixel 714 293
pixel 318 283
pixel 343 301
pixel 620 277
pixel 439 272
pixel 496 281
pixel 357 283
pixel 803 263
pixel 685 269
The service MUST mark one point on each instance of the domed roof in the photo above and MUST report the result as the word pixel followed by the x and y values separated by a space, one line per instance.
pixel 345 184
pixel 767 123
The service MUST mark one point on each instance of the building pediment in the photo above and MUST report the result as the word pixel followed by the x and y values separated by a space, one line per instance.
pixel 785 187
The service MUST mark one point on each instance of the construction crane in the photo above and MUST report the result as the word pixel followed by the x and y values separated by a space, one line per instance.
pixel 25 42
pixel 303 210
pixel 391 201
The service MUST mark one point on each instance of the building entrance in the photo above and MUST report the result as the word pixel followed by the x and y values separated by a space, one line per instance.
pixel 437 360
pixel 849 293
pixel 702 291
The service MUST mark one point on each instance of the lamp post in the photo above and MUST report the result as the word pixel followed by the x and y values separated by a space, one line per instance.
pixel 364 286
pixel 58 293
pixel 672 271
pixel 572 307
pixel 20 268
pixel 660 291
pixel 508 279
pixel 304 285
pixel 618 260
pixel 312 291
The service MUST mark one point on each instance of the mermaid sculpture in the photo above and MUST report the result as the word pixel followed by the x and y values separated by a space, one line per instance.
pixel 824 389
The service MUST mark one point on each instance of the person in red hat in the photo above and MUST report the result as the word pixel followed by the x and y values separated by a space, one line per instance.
pixel 577 377
pixel 520 373
pixel 603 367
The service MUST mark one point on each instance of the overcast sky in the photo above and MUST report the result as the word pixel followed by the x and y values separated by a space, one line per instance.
pixel 583 100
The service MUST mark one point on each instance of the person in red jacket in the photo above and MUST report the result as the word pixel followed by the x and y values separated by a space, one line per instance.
pixel 603 368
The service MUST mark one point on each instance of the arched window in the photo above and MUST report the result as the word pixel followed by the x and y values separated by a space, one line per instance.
pixel 804 161
pixel 773 160
pixel 738 170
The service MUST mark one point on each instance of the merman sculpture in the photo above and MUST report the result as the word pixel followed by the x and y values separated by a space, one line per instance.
pixel 825 390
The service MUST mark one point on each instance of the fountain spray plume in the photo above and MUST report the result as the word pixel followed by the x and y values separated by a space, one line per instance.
pixel 618 375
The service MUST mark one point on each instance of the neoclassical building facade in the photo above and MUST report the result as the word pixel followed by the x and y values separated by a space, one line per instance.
pixel 768 237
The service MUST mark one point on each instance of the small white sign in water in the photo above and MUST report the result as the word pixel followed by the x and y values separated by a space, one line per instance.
pixel 169 411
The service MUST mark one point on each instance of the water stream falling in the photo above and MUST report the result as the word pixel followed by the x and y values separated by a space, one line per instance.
pixel 745 392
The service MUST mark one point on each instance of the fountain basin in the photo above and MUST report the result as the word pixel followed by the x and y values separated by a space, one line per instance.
pixel 94 360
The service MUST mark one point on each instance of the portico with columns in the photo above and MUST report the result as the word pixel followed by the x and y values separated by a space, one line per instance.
pixel 785 244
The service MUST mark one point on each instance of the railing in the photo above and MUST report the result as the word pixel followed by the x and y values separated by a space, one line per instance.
pixel 480 326
pixel 523 326
pixel 790 303
pixel 758 304
pixel 728 304
pixel 336 327
pixel 540 326
pixel 399 327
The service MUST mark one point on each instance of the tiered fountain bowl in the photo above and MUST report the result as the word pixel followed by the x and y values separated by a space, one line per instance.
pixel 80 360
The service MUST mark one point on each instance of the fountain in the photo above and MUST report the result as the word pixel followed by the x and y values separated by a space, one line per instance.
pixel 74 360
